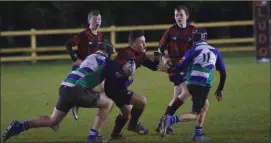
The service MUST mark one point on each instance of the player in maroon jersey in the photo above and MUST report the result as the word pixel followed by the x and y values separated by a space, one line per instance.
pixel 87 43
pixel 177 39
pixel 129 102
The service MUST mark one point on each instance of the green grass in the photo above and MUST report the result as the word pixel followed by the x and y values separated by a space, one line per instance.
pixel 243 115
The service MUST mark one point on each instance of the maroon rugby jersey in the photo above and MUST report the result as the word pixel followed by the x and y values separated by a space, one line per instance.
pixel 126 54
pixel 87 43
pixel 177 40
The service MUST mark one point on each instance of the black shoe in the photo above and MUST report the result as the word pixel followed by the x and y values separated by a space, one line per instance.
pixel 12 130
pixel 139 129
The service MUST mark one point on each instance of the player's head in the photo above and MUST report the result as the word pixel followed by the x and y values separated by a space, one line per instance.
pixel 106 47
pixel 94 19
pixel 136 40
pixel 200 35
pixel 181 15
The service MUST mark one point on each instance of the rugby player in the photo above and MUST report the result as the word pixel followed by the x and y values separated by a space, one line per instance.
pixel 177 39
pixel 201 60
pixel 75 90
pixel 87 42
pixel 130 103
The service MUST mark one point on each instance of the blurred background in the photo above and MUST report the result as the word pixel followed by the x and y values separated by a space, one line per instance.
pixel 18 16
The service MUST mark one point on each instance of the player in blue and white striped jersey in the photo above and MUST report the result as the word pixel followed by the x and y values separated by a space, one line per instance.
pixel 200 61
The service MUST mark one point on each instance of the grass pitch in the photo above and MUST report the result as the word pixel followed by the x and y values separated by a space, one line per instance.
pixel 242 116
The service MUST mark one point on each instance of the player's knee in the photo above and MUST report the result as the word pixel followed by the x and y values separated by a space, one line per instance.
pixel 109 104
pixel 51 120
pixel 206 106
pixel 196 111
pixel 142 102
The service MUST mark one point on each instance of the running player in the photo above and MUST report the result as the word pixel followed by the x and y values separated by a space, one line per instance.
pixel 200 60
pixel 116 87
pixel 177 39
pixel 75 90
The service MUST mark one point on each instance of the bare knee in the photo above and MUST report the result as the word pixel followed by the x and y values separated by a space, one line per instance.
pixel 206 107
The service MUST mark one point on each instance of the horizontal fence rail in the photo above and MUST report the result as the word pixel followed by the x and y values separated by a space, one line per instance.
pixel 113 29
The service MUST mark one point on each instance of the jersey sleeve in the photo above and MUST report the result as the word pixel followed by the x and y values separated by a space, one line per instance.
pixel 69 47
pixel 188 57
pixel 152 65
pixel 164 42
pixel 220 65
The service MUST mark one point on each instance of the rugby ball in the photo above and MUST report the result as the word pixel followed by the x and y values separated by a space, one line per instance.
pixel 129 67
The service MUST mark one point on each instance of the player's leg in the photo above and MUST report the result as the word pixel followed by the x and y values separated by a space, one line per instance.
pixel 98 88
pixel 199 98
pixel 138 101
pixel 62 108
pixel 121 121
pixel 181 93
pixel 124 99
pixel 200 120
pixel 90 99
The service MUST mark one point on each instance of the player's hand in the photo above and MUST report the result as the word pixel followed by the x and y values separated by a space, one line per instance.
pixel 157 56
pixel 78 62
pixel 166 62
pixel 219 95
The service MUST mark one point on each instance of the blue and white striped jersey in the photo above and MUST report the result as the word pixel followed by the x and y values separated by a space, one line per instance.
pixel 200 62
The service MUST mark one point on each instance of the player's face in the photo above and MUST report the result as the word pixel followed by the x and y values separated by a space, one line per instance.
pixel 95 22
pixel 181 17
pixel 139 44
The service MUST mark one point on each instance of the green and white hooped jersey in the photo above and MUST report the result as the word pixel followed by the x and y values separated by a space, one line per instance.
pixel 89 74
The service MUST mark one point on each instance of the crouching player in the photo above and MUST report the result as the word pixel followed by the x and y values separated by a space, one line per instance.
pixel 200 61
pixel 75 90
pixel 130 103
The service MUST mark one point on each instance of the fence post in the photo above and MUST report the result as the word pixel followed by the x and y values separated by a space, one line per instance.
pixel 33 45
pixel 113 35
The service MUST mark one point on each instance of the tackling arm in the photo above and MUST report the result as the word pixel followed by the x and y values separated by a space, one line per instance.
pixel 152 65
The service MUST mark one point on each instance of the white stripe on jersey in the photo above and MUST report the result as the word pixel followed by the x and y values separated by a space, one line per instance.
pixel 91 62
pixel 199 73
pixel 78 73
pixel 68 84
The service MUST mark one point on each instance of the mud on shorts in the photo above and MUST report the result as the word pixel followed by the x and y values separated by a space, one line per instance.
pixel 199 95
pixel 76 96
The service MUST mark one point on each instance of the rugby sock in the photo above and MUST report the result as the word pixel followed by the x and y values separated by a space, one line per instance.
pixel 120 122
pixel 167 111
pixel 93 134
pixel 135 115
pixel 198 131
pixel 23 126
pixel 177 103
pixel 174 119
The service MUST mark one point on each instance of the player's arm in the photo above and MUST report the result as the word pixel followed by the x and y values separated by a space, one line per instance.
pixel 184 62
pixel 162 46
pixel 152 65
pixel 69 47
pixel 220 66
pixel 163 43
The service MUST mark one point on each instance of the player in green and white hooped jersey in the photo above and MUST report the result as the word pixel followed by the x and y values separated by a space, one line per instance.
pixel 75 90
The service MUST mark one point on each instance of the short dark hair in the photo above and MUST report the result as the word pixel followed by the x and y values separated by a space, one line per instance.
pixel 93 12
pixel 133 35
pixel 182 7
